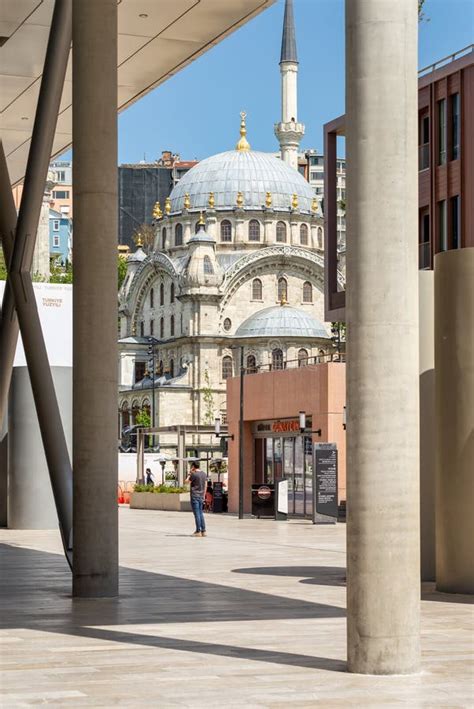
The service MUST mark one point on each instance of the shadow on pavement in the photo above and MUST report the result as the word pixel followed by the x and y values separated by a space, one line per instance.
pixel 318 575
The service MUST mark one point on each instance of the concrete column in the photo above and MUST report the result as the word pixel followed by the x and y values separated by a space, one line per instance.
pixel 3 471
pixel 239 226
pixel 187 230
pixel 268 228
pixel 454 373
pixel 294 233
pixel 30 496
pixel 383 536
pixel 211 224
pixel 427 427
pixel 95 463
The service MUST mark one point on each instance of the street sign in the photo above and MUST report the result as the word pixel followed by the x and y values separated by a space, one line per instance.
pixel 325 483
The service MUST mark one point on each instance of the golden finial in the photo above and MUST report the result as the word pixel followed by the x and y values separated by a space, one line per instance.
pixel 268 199
pixel 243 143
pixel 211 201
pixel 187 201
pixel 314 205
pixel 283 299
pixel 202 221
pixel 294 201
pixel 167 205
pixel 157 213
pixel 138 239
pixel 240 200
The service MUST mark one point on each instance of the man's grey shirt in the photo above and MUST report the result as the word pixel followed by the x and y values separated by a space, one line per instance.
pixel 198 483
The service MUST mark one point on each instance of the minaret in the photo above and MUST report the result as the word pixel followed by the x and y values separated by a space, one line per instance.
pixel 289 132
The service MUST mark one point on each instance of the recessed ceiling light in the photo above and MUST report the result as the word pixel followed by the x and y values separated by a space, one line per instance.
pixel 143 14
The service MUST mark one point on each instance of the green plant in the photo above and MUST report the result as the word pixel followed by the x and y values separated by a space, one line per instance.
pixel 143 418
pixel 208 397
pixel 121 270
pixel 159 489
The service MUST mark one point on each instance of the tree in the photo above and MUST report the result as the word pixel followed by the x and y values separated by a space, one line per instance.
pixel 59 273
pixel 3 268
pixel 208 397
pixel 143 418
pixel 121 269
pixel 421 15
pixel 145 235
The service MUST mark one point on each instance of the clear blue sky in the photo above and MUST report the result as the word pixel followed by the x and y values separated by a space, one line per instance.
pixel 196 112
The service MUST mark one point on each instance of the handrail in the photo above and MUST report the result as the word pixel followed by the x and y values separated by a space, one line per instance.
pixel 446 60
pixel 298 363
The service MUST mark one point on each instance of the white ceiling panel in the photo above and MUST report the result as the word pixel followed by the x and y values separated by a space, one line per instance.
pixel 169 35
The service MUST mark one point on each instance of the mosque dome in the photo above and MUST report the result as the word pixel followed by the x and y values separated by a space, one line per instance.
pixel 244 172
pixel 281 321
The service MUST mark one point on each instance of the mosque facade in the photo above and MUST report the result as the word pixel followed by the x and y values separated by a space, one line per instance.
pixel 237 262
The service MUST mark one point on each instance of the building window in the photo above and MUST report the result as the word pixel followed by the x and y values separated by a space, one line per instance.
pixel 178 235
pixel 302 357
pixel 227 324
pixel 55 224
pixel 208 267
pixel 172 293
pixel 162 294
pixel 139 371
pixel 152 327
pixel 442 131
pixel 254 230
pixel 227 368
pixel 424 143
pixel 307 292
pixel 251 364
pixel 455 126
pixel 424 249
pixel 152 298
pixel 257 289
pixel 226 230
pixel 61 175
pixel 171 368
pixel 61 194
pixel 304 235
pixel 142 329
pixel 281 232
pixel 163 238
pixel 162 328
pixel 277 359
pixel 456 221
pixel 442 226
pixel 320 237
pixel 56 241
pixel 172 326
pixel 282 290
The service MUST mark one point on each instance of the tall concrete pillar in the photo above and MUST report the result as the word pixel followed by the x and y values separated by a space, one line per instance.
pixel 3 471
pixel 94 42
pixel 454 372
pixel 383 559
pixel 427 427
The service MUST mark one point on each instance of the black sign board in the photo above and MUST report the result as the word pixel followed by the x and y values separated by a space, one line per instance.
pixel 217 501
pixel 325 466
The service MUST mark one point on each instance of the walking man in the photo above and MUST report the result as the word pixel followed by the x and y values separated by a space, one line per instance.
pixel 197 480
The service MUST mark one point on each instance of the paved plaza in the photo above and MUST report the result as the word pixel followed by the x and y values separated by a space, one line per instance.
pixel 251 616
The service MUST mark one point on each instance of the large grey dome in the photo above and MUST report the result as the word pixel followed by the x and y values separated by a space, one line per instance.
pixel 250 172
pixel 281 321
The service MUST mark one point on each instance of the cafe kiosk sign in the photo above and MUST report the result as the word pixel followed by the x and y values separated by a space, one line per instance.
pixel 279 427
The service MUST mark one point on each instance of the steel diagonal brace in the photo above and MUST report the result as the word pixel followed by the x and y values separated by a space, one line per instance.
pixel 19 293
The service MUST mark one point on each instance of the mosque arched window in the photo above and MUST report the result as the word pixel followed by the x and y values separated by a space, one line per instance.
pixel 251 364
pixel 226 230
pixel 171 368
pixel 172 326
pixel 172 293
pixel 142 329
pixel 163 238
pixel 281 232
pixel 302 357
pixel 152 327
pixel 304 235
pixel 320 237
pixel 178 235
pixel 152 298
pixel 282 290
pixel 197 226
pixel 125 414
pixel 162 328
pixel 307 292
pixel 227 367
pixel 160 368
pixel 277 358
pixel 208 267
pixel 162 294
pixel 257 289
pixel 254 230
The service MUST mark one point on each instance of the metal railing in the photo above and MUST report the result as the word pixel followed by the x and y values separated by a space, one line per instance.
pixel 446 60
pixel 297 363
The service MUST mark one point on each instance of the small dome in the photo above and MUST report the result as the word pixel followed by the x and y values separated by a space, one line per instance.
pixel 202 237
pixel 138 256
pixel 247 171
pixel 281 321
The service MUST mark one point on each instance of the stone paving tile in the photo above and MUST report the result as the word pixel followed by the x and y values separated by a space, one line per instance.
pixel 255 612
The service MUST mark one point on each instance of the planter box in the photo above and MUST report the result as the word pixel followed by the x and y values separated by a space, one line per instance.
pixel 170 501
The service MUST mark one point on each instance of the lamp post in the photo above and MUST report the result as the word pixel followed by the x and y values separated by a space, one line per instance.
pixel 152 342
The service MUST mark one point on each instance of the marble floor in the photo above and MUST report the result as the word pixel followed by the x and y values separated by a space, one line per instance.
pixel 251 616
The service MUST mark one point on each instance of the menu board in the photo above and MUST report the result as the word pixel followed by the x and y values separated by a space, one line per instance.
pixel 325 461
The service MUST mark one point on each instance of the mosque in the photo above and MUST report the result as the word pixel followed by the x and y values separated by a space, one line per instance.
pixel 237 261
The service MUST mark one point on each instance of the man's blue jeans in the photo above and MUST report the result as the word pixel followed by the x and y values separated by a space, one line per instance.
pixel 197 504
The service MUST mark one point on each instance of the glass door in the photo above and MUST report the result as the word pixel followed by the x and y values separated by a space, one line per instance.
pixel 308 475
pixel 299 478
pixel 288 471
